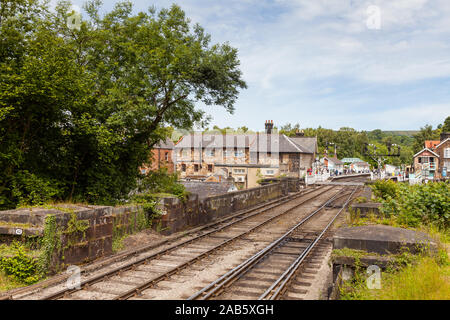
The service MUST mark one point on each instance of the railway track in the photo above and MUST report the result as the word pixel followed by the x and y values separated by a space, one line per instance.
pixel 195 234
pixel 219 247
pixel 182 255
pixel 279 269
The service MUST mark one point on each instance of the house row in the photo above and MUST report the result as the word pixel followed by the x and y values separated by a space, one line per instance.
pixel 433 161
pixel 246 158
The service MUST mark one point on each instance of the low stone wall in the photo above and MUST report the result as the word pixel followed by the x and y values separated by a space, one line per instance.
pixel 180 215
pixel 76 234
pixel 68 234
pixel 367 208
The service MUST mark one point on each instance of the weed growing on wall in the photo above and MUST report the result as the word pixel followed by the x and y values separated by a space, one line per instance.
pixel 50 243
pixel 75 228
pixel 20 265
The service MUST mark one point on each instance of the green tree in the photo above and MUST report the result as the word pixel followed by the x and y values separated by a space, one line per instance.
pixel 82 108
pixel 425 133
pixel 446 125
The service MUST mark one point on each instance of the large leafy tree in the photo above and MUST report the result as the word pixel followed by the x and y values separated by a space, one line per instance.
pixel 81 108
pixel 425 133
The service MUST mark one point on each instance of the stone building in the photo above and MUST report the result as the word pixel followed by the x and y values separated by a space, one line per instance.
pixel 433 161
pixel 443 150
pixel 245 157
pixel 161 157
pixel 333 164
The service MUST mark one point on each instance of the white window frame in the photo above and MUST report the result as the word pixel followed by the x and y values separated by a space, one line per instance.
pixel 210 152
pixel 239 153
pixel 185 152
pixel 447 153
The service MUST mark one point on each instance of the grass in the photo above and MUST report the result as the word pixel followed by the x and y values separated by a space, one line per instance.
pixel 414 277
pixel 8 250
pixel 15 225
pixel 424 280
pixel 346 252
pixel 8 283
pixel 118 244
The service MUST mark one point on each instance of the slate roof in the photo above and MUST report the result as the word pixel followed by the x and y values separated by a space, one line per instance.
pixel 166 144
pixel 207 189
pixel 307 144
pixel 215 141
pixel 260 143
pixel 334 160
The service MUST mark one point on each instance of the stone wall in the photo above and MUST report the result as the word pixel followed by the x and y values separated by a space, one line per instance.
pixel 180 216
pixel 80 234
pixel 73 234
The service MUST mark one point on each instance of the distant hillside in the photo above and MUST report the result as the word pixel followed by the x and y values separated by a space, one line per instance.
pixel 408 133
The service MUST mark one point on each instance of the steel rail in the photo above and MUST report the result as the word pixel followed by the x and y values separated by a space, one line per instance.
pixel 218 284
pixel 266 205
pixel 284 279
pixel 152 282
pixel 144 260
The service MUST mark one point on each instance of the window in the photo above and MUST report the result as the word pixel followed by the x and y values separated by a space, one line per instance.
pixel 228 153
pixel 239 153
pixel 270 172
pixel 210 152
pixel 196 167
pixel 166 156
pixel 447 153
pixel 239 171
pixel 183 167
pixel 210 167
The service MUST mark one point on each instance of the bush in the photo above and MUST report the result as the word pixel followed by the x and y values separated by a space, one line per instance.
pixel 21 266
pixel 163 182
pixel 416 204
pixel 384 189
pixel 361 200
pixel 29 189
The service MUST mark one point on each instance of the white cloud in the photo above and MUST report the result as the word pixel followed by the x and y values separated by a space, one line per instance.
pixel 288 48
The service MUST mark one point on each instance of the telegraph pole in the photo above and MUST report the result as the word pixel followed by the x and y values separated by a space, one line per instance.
pixel 393 151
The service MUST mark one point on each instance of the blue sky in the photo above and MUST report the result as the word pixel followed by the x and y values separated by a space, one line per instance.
pixel 325 62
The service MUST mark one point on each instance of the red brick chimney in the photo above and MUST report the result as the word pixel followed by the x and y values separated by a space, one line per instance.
pixel 269 126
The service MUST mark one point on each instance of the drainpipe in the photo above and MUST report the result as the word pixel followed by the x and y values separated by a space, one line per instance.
pixel 246 180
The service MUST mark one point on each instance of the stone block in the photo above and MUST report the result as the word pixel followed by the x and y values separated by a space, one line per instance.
pixel 382 239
